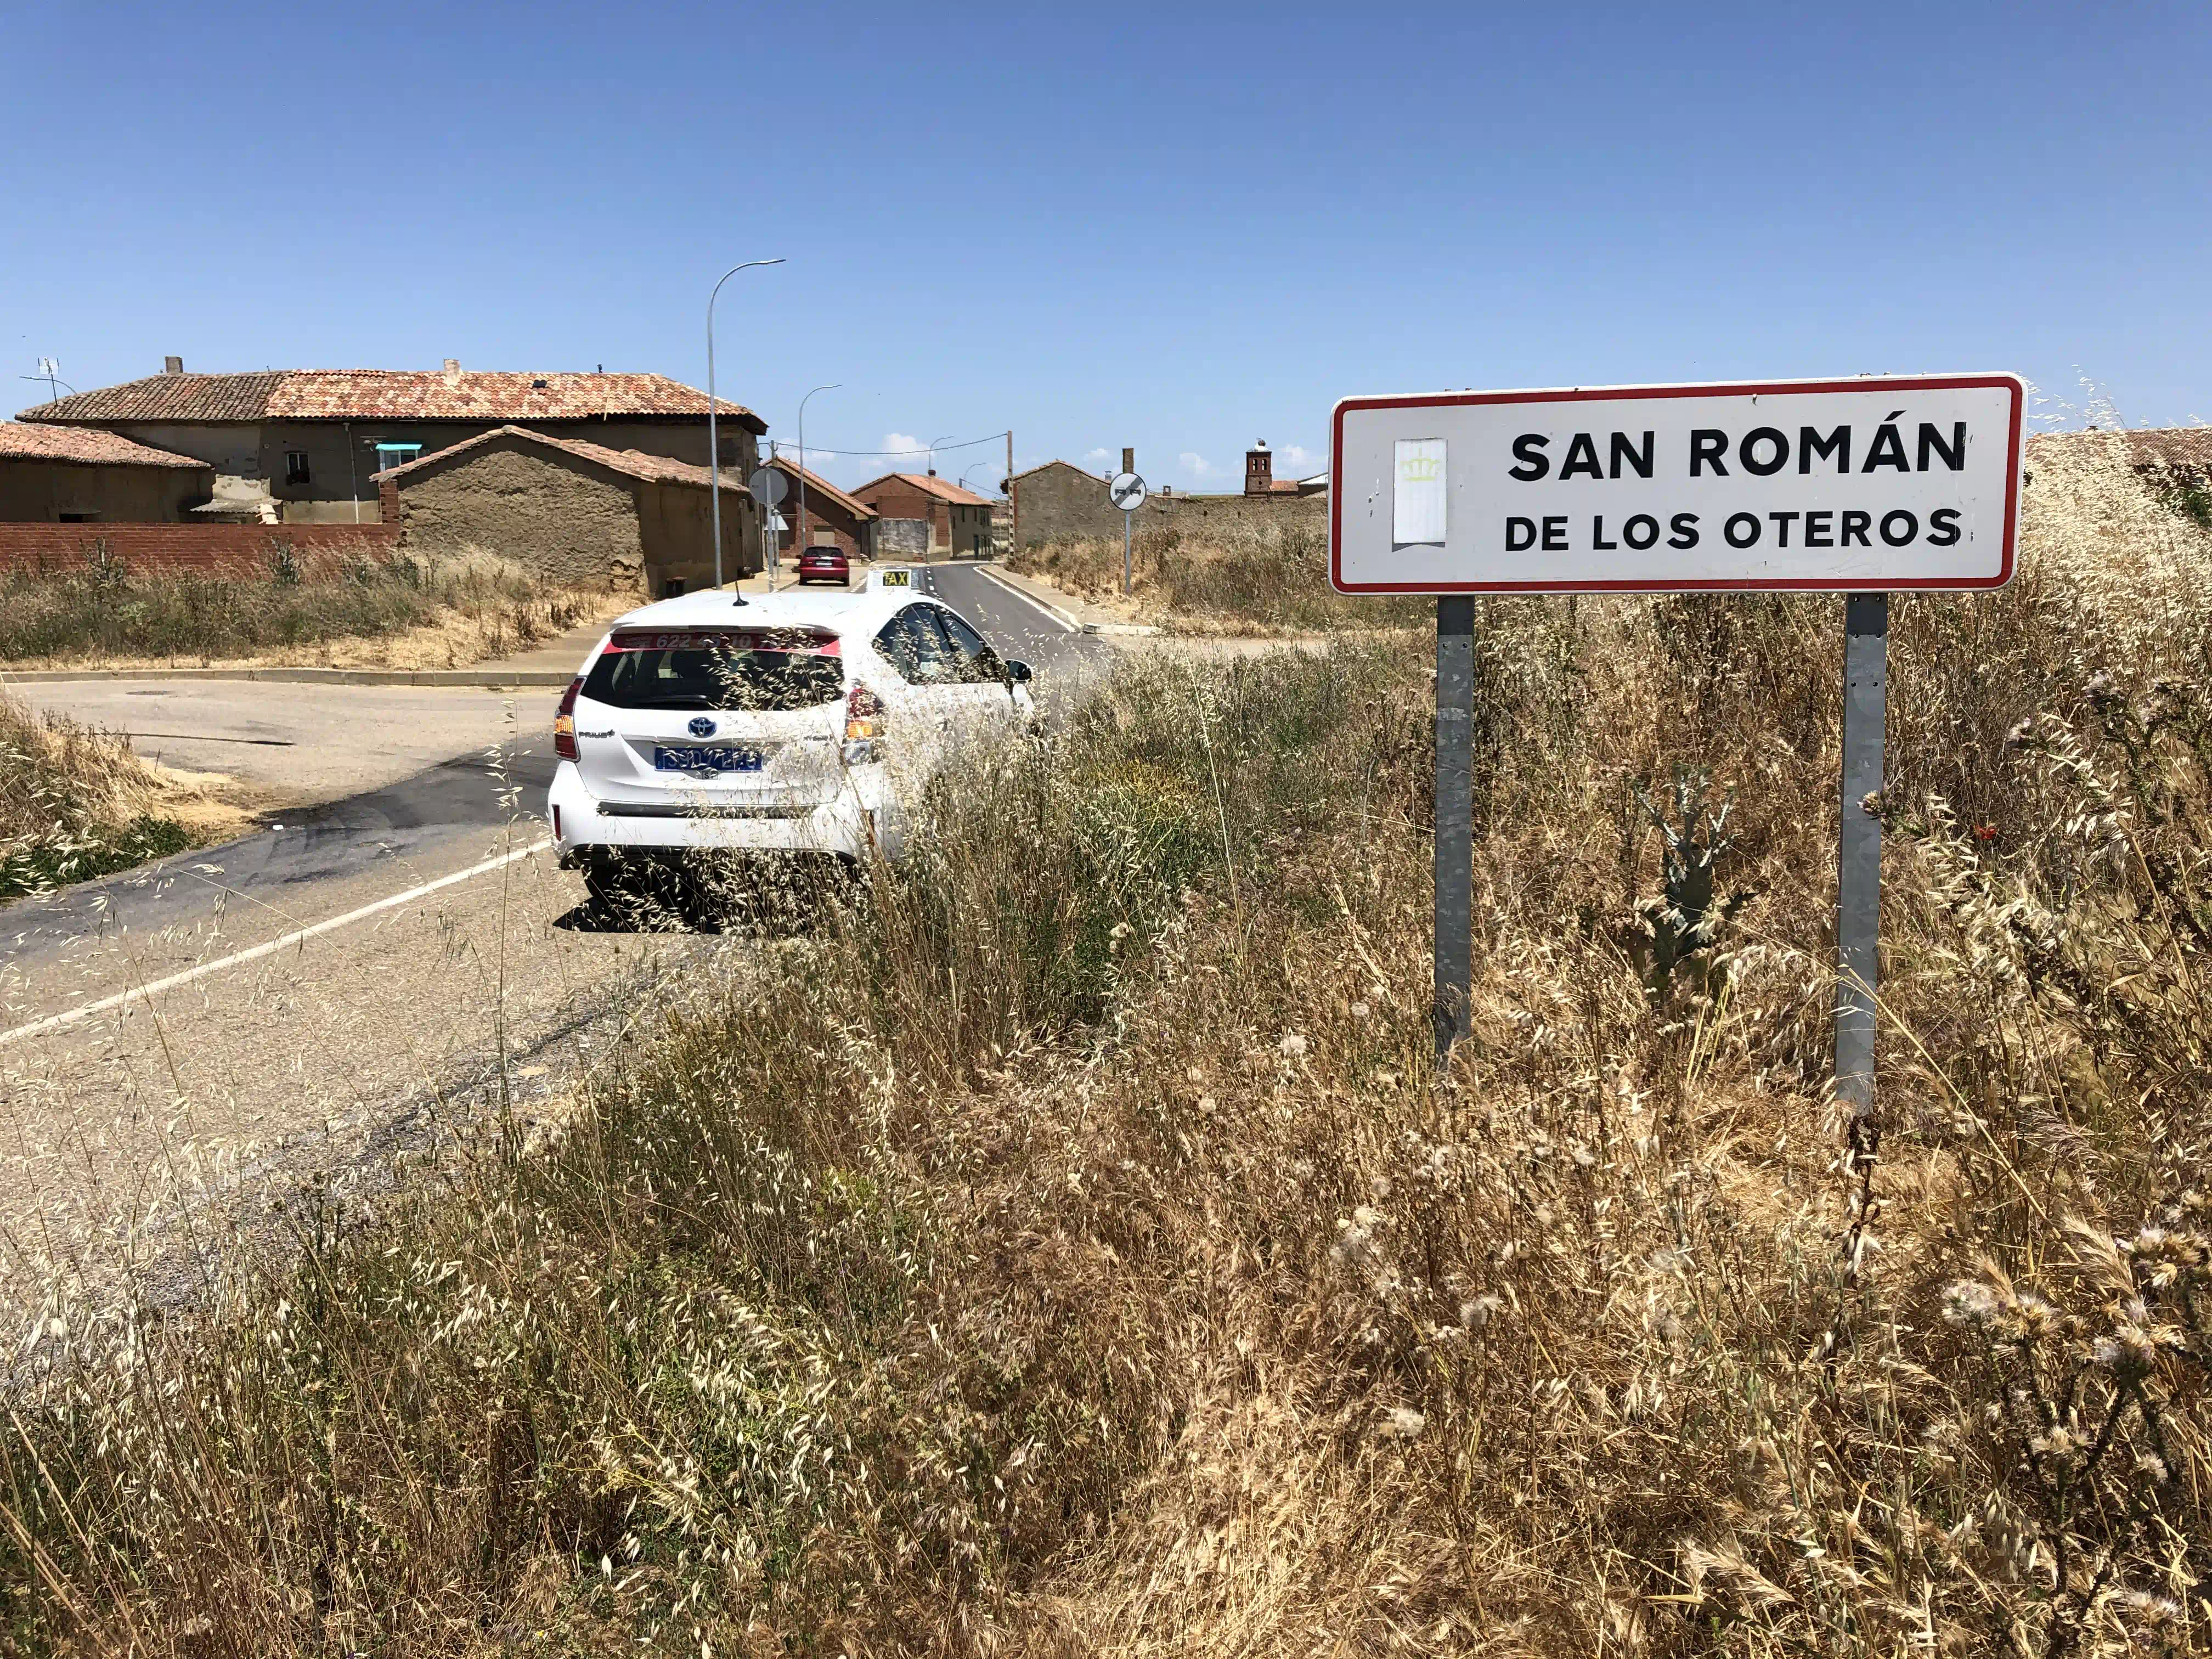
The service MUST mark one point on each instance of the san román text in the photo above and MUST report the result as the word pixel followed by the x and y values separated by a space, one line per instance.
pixel 1760 453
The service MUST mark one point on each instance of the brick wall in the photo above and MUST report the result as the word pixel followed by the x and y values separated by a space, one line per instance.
pixel 243 549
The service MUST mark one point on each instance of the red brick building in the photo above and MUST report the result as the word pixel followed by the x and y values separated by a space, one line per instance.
pixel 920 515
pixel 833 518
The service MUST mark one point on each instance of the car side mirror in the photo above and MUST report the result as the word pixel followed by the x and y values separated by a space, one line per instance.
pixel 1018 673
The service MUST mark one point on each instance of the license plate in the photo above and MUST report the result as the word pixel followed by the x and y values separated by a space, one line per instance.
pixel 691 758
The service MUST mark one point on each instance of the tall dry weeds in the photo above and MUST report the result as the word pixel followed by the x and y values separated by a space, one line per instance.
pixel 76 803
pixel 1069 1248
pixel 102 610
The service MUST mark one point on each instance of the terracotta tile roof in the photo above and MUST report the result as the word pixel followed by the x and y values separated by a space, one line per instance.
pixel 84 447
pixel 928 486
pixel 378 394
pixel 653 469
pixel 2179 445
pixel 817 485
pixel 167 397
pixel 2188 447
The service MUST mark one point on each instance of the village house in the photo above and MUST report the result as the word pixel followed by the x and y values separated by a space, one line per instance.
pixel 301 445
pixel 578 513
pixel 64 475
pixel 832 517
pixel 921 515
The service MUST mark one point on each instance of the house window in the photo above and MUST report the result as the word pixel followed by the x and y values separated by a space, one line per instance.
pixel 78 518
pixel 296 466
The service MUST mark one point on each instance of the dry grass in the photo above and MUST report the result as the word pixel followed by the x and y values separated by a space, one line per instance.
pixel 76 803
pixel 1069 1248
pixel 1235 580
pixel 442 611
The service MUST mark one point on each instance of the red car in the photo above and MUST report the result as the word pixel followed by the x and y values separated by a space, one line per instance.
pixel 824 564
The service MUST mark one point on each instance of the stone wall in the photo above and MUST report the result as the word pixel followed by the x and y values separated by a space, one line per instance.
pixel 1063 503
pixel 1196 516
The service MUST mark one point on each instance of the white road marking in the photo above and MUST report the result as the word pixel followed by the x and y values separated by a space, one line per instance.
pixel 1036 604
pixel 297 937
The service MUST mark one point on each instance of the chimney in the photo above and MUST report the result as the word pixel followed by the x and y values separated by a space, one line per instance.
pixel 172 365
pixel 453 371
pixel 1259 471
pixel 1128 459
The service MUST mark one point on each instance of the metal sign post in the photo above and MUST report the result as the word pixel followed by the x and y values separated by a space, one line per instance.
pixel 1858 849
pixel 769 486
pixel 1455 872
pixel 1863 487
pixel 1126 491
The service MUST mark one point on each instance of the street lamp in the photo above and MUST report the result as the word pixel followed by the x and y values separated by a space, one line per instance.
pixel 801 534
pixel 934 443
pixel 713 438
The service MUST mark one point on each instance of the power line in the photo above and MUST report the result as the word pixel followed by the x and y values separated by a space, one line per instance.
pixel 918 449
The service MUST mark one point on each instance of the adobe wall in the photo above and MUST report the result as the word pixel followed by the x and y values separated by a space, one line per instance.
pixel 36 491
pixel 678 537
pixel 571 523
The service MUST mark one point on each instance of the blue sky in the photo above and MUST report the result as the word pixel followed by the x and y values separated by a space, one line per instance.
pixel 1183 227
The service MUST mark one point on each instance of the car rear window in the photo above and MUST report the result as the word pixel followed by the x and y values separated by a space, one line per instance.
pixel 764 673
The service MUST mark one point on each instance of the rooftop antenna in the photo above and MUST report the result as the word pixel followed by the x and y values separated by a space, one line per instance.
pixel 50 372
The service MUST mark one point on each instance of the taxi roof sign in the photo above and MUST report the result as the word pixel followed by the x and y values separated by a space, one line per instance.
pixel 895 576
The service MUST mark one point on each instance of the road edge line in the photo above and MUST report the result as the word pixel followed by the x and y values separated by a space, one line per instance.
pixel 1067 623
pixel 298 936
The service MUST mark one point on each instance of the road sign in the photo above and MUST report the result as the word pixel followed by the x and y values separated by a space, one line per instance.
pixel 768 484
pixel 1865 485
pixel 1127 492
pixel 1858 487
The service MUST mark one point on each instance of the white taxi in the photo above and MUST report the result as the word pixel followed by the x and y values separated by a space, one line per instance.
pixel 794 722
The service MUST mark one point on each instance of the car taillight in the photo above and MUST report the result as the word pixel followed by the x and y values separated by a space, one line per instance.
pixel 864 714
pixel 564 722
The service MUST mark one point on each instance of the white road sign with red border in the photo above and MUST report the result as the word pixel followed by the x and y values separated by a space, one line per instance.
pixel 1881 482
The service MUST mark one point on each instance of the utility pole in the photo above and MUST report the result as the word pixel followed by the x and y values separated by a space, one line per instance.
pixel 1014 535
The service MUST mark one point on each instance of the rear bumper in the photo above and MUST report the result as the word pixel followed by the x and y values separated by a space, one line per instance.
pixel 854 825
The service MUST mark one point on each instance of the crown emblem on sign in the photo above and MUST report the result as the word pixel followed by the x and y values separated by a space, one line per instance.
pixel 1420 468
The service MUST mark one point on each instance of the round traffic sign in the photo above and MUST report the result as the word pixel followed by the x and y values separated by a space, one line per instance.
pixel 1127 492
pixel 768 484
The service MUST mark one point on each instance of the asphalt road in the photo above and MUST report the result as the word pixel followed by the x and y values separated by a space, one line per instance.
pixel 168 1038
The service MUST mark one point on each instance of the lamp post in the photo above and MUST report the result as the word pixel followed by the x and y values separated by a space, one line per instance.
pixel 934 443
pixel 801 531
pixel 714 438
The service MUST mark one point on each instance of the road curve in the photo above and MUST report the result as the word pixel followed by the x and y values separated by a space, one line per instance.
pixel 341 978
